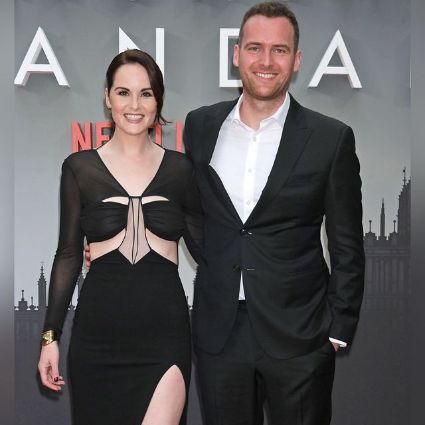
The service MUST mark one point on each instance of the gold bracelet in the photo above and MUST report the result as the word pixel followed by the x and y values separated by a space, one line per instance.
pixel 47 337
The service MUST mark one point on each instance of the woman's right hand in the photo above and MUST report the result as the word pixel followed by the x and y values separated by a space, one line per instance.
pixel 48 367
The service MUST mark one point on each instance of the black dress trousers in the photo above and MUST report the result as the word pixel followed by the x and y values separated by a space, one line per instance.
pixel 238 382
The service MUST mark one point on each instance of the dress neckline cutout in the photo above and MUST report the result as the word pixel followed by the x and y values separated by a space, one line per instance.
pixel 118 182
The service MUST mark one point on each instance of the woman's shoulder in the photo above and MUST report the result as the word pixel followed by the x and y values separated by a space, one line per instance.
pixel 80 159
pixel 177 166
pixel 179 158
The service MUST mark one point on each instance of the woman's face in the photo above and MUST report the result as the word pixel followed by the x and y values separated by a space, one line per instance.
pixel 131 100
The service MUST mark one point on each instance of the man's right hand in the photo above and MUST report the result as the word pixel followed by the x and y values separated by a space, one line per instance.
pixel 87 255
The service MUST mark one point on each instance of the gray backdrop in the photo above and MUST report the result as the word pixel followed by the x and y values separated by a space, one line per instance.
pixel 417 311
pixel 7 69
pixel 84 36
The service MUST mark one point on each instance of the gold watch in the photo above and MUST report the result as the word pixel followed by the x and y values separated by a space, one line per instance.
pixel 47 337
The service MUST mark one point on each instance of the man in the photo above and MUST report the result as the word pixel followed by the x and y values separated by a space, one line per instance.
pixel 267 314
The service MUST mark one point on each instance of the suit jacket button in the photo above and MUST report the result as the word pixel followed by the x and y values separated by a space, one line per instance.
pixel 244 232
pixel 236 268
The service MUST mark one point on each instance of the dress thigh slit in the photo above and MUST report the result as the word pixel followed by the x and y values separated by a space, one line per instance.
pixel 131 325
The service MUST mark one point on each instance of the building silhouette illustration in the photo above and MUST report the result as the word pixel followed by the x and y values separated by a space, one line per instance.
pixel 383 320
pixel 387 279
pixel 29 318
pixel 386 282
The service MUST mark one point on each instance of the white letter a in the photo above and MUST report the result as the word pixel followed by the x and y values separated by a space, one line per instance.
pixel 29 64
pixel 347 67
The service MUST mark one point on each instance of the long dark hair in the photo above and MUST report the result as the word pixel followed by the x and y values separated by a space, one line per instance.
pixel 154 74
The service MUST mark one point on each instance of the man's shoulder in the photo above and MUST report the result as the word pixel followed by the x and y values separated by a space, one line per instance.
pixel 317 119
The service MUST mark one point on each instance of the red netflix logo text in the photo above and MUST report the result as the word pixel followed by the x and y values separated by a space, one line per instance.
pixel 83 138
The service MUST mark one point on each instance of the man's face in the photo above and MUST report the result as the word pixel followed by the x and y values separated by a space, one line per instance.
pixel 266 57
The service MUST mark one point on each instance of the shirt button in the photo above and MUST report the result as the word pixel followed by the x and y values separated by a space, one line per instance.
pixel 249 170
pixel 248 202
pixel 254 139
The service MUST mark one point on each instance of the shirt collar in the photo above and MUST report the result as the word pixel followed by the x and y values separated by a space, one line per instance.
pixel 279 116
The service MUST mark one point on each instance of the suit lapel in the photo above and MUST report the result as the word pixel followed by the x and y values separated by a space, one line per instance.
pixel 294 137
pixel 213 123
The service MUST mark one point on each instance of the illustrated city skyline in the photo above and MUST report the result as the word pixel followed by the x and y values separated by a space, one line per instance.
pixel 394 244
pixel 383 320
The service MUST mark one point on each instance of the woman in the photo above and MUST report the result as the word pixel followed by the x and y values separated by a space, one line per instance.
pixel 129 355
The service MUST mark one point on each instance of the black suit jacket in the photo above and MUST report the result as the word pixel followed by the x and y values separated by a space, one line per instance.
pixel 293 302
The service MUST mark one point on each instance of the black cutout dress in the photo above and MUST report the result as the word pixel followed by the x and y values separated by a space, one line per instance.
pixel 131 323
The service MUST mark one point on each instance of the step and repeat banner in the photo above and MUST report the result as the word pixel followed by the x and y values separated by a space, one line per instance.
pixel 355 67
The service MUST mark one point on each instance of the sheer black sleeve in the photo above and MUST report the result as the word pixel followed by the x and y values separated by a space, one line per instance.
pixel 194 230
pixel 69 254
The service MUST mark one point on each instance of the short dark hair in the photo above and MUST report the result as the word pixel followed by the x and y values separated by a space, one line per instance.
pixel 154 74
pixel 272 9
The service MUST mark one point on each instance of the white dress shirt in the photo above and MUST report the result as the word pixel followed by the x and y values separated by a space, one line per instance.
pixel 243 158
